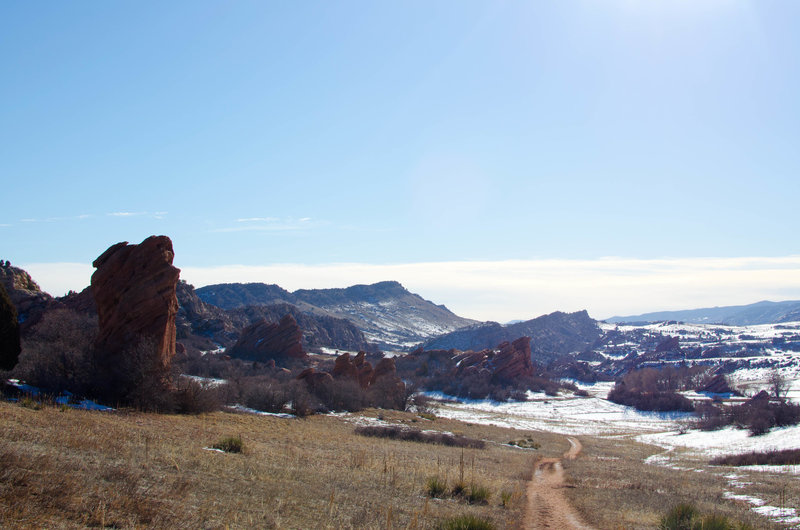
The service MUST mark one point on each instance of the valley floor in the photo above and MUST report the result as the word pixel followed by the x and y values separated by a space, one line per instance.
pixel 66 468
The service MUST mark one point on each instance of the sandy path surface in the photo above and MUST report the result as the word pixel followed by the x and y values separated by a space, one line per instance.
pixel 547 506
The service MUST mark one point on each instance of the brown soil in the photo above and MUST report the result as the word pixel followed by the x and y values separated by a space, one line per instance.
pixel 547 506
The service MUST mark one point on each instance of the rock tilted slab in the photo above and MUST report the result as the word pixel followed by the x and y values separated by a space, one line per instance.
pixel 134 291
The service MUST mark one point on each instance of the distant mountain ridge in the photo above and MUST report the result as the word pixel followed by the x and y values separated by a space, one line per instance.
pixel 551 335
pixel 386 312
pixel 764 312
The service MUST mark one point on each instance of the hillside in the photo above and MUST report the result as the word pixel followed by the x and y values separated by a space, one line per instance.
pixel 552 335
pixel 386 312
pixel 764 312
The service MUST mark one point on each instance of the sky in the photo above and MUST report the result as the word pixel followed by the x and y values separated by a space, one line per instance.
pixel 506 159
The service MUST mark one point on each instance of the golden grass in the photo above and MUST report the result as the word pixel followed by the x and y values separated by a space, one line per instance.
pixel 74 469
pixel 614 488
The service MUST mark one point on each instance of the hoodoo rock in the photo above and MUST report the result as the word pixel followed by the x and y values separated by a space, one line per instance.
pixel 263 341
pixel 134 291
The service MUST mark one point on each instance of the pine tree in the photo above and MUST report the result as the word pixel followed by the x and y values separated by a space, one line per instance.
pixel 9 332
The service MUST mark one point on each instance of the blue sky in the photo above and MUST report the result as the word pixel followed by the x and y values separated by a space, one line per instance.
pixel 257 134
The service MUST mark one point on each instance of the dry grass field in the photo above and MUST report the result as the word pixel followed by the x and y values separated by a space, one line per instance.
pixel 65 468
pixel 613 488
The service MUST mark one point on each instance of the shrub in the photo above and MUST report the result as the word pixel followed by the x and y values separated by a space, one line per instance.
pixel 9 332
pixel 787 457
pixel 230 444
pixel 686 517
pixel 525 443
pixel 435 487
pixel 397 432
pixel 505 498
pixel 655 401
pixel 56 356
pixel 478 495
pixel 465 522
pixel 193 397
pixel 681 517
pixel 266 396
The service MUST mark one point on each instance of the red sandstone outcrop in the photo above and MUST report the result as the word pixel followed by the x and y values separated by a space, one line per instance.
pixel 314 379
pixel 717 385
pixel 134 291
pixel 511 361
pixel 263 341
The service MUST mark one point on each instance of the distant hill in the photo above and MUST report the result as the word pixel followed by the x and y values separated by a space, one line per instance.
pixel 739 315
pixel 386 312
pixel 551 335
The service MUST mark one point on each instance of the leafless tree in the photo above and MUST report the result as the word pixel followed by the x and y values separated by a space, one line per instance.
pixel 778 384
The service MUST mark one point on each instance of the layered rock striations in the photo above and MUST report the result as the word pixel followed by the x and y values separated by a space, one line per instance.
pixel 134 292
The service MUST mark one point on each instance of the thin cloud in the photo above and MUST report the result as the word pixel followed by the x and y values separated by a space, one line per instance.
pixel 516 289
pixel 266 224
pixel 257 220
pixel 506 290
pixel 56 219
pixel 124 214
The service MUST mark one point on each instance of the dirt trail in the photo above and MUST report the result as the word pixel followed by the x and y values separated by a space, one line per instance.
pixel 547 506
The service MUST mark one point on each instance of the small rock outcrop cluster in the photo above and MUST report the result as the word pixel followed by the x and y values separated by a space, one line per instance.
pixel 29 300
pixel 360 370
pixel 380 383
pixel 134 292
pixel 264 341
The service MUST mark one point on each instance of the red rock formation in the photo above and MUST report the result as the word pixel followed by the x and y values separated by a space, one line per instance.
pixel 357 368
pixel 134 291
pixel 314 379
pixel 717 385
pixel 513 361
pixel 29 300
pixel 263 341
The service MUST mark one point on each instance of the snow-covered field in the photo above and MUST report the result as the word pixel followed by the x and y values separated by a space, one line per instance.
pixel 690 451
pixel 591 415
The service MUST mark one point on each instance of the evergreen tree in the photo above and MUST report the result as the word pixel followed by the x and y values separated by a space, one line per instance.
pixel 9 332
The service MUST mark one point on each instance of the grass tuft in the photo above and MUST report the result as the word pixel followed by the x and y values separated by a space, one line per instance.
pixel 230 444
pixel 464 522
pixel 478 495
pixel 435 487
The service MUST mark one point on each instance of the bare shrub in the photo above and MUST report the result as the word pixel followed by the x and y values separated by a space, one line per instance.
pixel 786 457
pixel 56 356
pixel 396 432
pixel 194 397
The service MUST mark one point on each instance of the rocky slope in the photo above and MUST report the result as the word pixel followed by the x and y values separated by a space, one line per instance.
pixel 203 324
pixel 386 313
pixel 551 335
